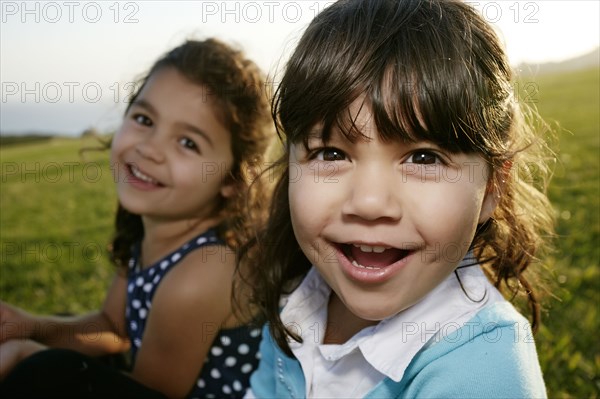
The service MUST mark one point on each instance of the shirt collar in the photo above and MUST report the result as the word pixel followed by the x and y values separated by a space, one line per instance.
pixel 391 345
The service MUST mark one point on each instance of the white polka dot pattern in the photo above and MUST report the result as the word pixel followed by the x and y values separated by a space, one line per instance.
pixel 233 356
pixel 243 349
pixel 255 332
pixel 237 385
pixel 246 368
pixel 230 361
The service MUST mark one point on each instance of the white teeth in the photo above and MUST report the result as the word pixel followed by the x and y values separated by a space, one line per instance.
pixel 355 263
pixel 366 248
pixel 137 173
pixel 369 248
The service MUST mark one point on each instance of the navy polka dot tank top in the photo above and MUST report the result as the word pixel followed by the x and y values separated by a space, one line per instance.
pixel 234 354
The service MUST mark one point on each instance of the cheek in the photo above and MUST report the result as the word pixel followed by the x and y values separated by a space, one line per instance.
pixel 450 210
pixel 116 150
pixel 310 209
pixel 299 212
pixel 120 141
pixel 198 177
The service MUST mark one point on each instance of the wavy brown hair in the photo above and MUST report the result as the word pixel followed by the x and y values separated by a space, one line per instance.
pixel 430 70
pixel 236 87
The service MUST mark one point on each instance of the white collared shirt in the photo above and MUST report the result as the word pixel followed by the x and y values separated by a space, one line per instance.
pixel 384 350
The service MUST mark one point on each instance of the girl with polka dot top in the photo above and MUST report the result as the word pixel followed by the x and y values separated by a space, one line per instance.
pixel 198 123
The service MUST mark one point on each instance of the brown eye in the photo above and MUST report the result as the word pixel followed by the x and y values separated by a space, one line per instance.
pixel 142 120
pixel 189 144
pixel 424 158
pixel 330 155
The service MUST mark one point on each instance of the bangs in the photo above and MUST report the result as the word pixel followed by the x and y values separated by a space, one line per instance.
pixel 427 78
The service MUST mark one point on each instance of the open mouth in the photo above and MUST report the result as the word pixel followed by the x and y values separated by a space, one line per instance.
pixel 138 174
pixel 373 257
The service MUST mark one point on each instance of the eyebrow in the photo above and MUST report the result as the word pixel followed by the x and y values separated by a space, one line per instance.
pixel 199 132
pixel 187 126
pixel 316 132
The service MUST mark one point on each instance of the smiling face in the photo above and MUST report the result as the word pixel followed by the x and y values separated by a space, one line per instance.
pixel 172 155
pixel 384 222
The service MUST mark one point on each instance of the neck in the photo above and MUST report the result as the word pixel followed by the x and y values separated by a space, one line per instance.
pixel 162 237
pixel 342 324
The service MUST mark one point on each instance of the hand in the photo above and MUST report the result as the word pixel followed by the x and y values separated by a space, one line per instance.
pixel 14 323
pixel 15 350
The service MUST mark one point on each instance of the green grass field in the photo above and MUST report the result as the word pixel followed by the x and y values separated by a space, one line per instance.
pixel 56 213
pixel 55 222
pixel 568 343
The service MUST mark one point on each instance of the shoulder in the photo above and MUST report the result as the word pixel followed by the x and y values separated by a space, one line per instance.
pixel 201 281
pixel 278 375
pixel 203 266
pixel 492 355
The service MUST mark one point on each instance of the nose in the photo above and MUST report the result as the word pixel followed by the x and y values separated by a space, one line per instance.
pixel 151 147
pixel 373 194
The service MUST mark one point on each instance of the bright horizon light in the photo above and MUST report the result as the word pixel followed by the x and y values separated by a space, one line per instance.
pixel 64 66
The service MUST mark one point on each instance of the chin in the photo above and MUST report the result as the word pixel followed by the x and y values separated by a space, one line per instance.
pixel 374 312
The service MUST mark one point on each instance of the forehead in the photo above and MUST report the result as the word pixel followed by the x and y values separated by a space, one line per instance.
pixel 172 98
pixel 360 121
pixel 168 81
pixel 354 122
pixel 170 88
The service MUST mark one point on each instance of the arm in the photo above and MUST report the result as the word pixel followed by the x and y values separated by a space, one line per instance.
pixel 15 350
pixel 262 381
pixel 189 307
pixel 500 363
pixel 94 334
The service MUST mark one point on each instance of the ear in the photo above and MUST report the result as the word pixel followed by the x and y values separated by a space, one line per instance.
pixel 228 187
pixel 490 202
pixel 493 193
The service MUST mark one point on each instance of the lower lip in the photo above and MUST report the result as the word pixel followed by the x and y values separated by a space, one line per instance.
pixel 370 276
pixel 140 184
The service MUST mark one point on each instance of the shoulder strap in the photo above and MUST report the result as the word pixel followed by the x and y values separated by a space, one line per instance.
pixel 209 237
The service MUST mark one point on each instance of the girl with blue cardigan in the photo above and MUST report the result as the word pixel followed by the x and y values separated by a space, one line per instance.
pixel 400 217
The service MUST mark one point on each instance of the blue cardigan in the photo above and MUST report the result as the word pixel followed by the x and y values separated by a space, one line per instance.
pixel 492 356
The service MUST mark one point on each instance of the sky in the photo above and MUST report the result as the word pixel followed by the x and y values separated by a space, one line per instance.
pixel 66 66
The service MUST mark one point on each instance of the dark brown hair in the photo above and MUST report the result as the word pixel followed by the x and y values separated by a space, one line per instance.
pixel 236 87
pixel 430 70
